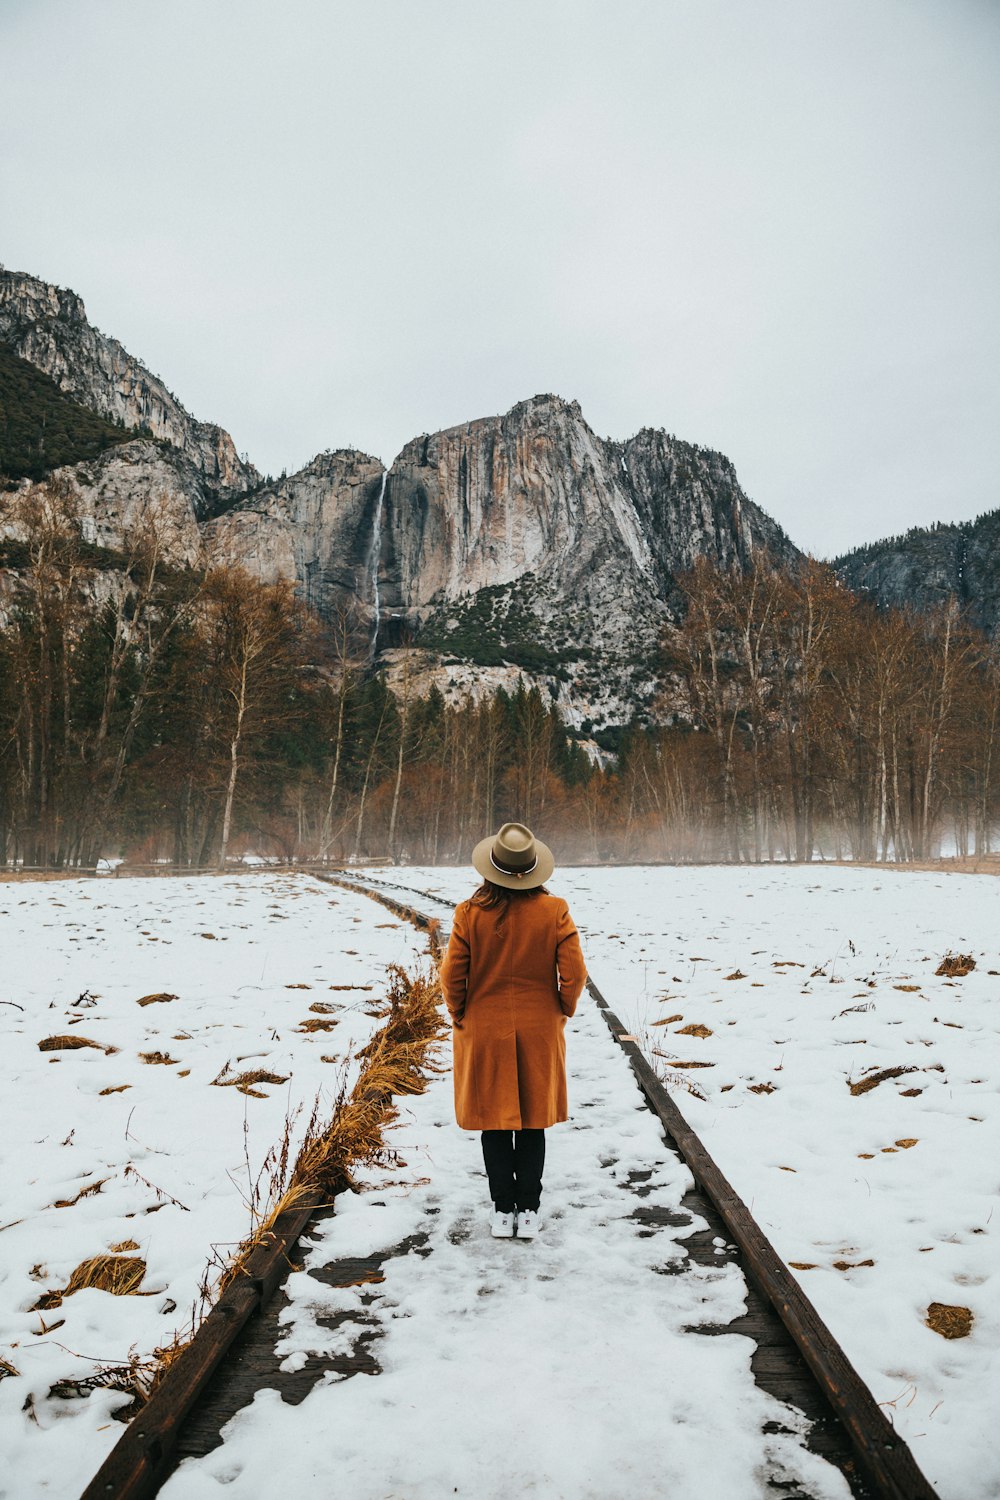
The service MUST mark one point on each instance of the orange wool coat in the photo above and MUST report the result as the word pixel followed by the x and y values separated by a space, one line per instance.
pixel 509 994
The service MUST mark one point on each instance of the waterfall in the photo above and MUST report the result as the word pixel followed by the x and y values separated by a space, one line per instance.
pixel 376 549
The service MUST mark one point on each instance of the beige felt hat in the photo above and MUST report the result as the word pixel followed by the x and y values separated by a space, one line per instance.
pixel 514 858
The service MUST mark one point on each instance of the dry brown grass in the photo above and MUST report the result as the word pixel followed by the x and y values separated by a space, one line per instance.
pixel 163 1058
pixel 71 1043
pixel 119 1088
pixel 136 1379
pixel 245 1081
pixel 121 1275
pixel 85 1192
pixel 325 1007
pixel 124 1247
pixel 695 1029
pixel 396 1061
pixel 955 966
pixel 6 1368
pixel 161 998
pixel 949 1321
pixel 681 1081
pixel 874 1079
pixel 675 1063
pixel 762 1088
pixel 317 1023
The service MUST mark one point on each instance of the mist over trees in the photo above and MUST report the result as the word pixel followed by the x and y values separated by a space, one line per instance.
pixel 158 713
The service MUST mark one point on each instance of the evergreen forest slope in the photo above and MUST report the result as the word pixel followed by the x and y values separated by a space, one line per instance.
pixel 41 428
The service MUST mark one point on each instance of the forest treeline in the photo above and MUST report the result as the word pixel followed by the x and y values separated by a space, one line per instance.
pixel 156 713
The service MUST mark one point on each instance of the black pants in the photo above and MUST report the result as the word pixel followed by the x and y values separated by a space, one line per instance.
pixel 514 1161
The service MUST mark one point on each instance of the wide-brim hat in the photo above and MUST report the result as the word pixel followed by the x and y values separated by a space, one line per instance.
pixel 513 858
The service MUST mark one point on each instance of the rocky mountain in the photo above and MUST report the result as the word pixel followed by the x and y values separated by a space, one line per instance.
pixel 929 565
pixel 516 542
pixel 317 526
pixel 47 326
pixel 520 543
pixel 527 539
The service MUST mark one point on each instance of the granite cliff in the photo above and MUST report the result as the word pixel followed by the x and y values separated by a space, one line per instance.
pixel 317 526
pixel 520 542
pixel 47 326
pixel 526 539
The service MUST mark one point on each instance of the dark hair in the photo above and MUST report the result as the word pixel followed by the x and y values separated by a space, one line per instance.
pixel 490 896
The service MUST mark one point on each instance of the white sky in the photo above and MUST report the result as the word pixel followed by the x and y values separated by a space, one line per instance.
pixel 769 226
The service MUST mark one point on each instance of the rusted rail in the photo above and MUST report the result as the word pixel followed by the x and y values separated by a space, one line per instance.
pixel 883 1456
pixel 142 1458
pixel 145 1454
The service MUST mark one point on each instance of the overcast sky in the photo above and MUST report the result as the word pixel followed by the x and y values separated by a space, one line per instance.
pixel 769 226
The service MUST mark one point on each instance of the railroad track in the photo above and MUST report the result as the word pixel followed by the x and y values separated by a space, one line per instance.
pixel 796 1357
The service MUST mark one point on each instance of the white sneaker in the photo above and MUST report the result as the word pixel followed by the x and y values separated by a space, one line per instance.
pixel 527 1224
pixel 502 1226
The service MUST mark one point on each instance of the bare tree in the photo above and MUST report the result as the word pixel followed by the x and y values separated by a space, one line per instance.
pixel 254 630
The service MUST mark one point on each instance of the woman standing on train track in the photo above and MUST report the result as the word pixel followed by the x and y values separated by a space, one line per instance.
pixel 511 976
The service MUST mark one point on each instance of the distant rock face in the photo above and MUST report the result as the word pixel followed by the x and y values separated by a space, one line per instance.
pixel 318 526
pixel 690 505
pixel 928 565
pixel 526 538
pixel 47 326
pixel 116 492
pixel 487 502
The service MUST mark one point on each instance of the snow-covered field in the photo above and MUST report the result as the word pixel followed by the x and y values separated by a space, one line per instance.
pixel 884 1201
pixel 560 1368
pixel 103 1149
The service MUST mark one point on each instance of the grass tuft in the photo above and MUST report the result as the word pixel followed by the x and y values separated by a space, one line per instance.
pixel 874 1079
pixel 85 1192
pixel 949 1321
pixel 71 1043
pixel 955 966
pixel 245 1081
pixel 121 1275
